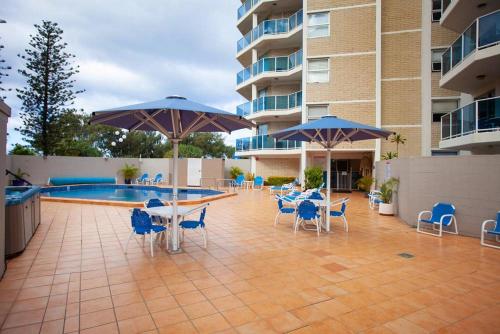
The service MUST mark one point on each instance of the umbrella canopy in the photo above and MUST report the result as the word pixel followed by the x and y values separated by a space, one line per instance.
pixel 175 117
pixel 330 131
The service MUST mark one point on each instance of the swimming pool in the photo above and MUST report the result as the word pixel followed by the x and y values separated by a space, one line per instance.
pixel 124 193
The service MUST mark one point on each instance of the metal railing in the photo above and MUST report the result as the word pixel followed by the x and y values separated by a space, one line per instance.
pixel 478 116
pixel 270 27
pixel 246 6
pixel 272 64
pixel 482 33
pixel 270 103
pixel 265 142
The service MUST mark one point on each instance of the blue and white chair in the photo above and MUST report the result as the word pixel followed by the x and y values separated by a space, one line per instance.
pixel 142 224
pixel 495 231
pixel 341 213
pixel 442 216
pixel 143 179
pixel 282 210
pixel 307 211
pixel 157 179
pixel 154 203
pixel 239 181
pixel 258 182
pixel 281 189
pixel 374 199
pixel 196 225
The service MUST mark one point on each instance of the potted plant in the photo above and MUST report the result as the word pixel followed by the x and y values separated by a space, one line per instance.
pixel 249 176
pixel 365 183
pixel 235 171
pixel 129 172
pixel 19 174
pixel 387 189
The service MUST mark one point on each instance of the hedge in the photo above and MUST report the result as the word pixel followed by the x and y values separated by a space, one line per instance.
pixel 278 180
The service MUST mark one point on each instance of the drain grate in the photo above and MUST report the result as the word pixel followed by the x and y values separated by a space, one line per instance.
pixel 406 255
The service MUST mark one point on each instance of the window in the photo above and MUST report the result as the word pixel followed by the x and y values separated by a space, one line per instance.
pixel 316 111
pixel 440 153
pixel 436 10
pixel 262 129
pixel 436 59
pixel 442 107
pixel 318 25
pixel 318 70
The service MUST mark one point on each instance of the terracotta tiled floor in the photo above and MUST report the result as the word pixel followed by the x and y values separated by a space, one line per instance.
pixel 254 278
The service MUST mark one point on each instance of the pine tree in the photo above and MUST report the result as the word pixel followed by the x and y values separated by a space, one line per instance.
pixel 49 92
pixel 3 73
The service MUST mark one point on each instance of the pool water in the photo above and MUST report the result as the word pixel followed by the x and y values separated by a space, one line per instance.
pixel 125 193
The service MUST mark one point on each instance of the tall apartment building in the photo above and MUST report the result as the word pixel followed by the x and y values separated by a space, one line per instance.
pixel 377 62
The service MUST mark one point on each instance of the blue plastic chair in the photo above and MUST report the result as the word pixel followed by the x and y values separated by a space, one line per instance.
pixel 441 216
pixel 143 178
pixel 307 211
pixel 258 182
pixel 341 213
pixel 154 203
pixel 315 195
pixel 239 180
pixel 282 210
pixel 196 225
pixel 142 224
pixel 157 179
pixel 495 231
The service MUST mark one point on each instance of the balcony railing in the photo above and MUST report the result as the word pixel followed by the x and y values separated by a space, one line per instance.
pixel 265 142
pixel 271 27
pixel 478 116
pixel 273 64
pixel 246 6
pixel 482 33
pixel 270 103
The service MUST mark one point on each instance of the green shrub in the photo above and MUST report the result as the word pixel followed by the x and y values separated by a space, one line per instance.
pixel 387 189
pixel 365 183
pixel 249 176
pixel 235 171
pixel 314 177
pixel 278 180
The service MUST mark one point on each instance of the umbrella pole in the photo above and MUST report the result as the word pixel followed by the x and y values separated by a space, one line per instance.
pixel 328 183
pixel 175 224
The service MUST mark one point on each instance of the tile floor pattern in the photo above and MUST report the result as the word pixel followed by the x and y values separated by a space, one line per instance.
pixel 254 278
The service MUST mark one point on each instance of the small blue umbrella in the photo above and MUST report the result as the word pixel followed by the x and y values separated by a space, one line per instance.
pixel 175 117
pixel 330 131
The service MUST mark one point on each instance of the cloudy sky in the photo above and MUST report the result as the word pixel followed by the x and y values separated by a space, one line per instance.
pixel 133 51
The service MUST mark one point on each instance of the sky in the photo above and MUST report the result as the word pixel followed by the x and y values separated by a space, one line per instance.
pixel 133 51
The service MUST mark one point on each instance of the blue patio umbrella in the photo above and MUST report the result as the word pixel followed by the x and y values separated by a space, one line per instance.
pixel 330 131
pixel 175 117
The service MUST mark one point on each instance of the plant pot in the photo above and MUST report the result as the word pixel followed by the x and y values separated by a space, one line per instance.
pixel 17 183
pixel 385 209
pixel 128 181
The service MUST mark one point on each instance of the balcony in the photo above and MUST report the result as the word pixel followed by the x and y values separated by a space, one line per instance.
pixel 269 107
pixel 285 68
pixel 476 124
pixel 275 34
pixel 457 14
pixel 473 60
pixel 263 8
pixel 264 143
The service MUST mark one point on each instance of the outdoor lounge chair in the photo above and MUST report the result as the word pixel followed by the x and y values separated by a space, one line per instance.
pixel 239 181
pixel 157 179
pixel 258 182
pixel 142 224
pixel 282 188
pixel 307 211
pixel 282 210
pixel 495 231
pixel 143 179
pixel 196 225
pixel 341 213
pixel 442 216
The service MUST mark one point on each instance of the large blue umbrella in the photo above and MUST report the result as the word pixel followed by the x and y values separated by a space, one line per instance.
pixel 330 131
pixel 175 117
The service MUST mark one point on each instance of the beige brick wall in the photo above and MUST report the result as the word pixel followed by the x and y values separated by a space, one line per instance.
pixel 351 78
pixel 351 30
pixel 441 36
pixel 401 55
pixel 401 103
pixel 401 15
pixel 359 145
pixel 327 4
pixel 436 134
pixel 275 166
pixel 438 91
pixel 412 146
pixel 357 112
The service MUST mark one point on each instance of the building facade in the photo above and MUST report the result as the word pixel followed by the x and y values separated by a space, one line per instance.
pixel 377 62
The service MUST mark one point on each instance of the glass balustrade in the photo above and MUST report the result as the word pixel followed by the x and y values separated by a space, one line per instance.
pixel 246 7
pixel 482 33
pixel 274 64
pixel 270 103
pixel 270 27
pixel 265 142
pixel 478 116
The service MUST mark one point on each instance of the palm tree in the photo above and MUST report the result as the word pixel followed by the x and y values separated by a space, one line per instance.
pixel 398 139
pixel 389 155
